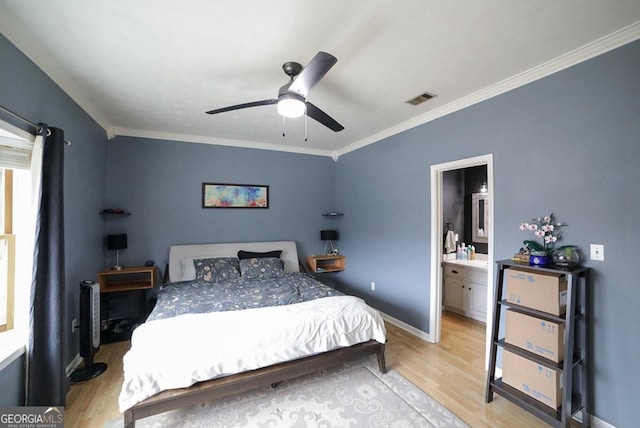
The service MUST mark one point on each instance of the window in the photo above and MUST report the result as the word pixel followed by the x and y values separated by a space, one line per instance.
pixel 14 237
pixel 7 251
pixel 17 229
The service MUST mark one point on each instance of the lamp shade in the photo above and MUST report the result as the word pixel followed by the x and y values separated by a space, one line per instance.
pixel 117 242
pixel 329 235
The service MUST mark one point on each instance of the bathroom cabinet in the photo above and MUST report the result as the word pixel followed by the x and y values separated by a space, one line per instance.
pixel 465 288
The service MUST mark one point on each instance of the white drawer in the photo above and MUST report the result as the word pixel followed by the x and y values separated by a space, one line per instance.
pixel 453 271
pixel 478 276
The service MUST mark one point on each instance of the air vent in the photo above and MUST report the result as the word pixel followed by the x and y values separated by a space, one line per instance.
pixel 420 99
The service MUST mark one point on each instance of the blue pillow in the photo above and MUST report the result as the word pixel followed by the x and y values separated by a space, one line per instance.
pixel 261 268
pixel 217 269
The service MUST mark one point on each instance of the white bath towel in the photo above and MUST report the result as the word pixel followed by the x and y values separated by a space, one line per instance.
pixel 450 242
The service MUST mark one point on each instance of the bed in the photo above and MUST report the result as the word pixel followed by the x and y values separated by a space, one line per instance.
pixel 216 332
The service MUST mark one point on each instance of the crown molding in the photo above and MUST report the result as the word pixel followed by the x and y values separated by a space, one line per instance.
pixel 581 54
pixel 21 39
pixel 168 136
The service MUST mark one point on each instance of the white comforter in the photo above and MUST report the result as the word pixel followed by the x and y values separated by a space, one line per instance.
pixel 178 352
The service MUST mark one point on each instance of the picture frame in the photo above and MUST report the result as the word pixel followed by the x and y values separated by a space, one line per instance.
pixel 225 195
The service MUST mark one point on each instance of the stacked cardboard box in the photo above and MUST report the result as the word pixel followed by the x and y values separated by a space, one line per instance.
pixel 538 381
pixel 542 337
pixel 546 293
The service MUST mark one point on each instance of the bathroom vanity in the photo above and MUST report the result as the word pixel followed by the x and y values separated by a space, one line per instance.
pixel 465 287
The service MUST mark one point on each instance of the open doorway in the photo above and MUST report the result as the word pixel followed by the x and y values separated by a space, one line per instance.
pixel 437 242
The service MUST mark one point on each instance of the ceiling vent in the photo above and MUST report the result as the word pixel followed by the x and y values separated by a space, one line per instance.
pixel 420 99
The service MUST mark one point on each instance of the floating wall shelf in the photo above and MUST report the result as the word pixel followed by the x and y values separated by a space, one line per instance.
pixel 117 211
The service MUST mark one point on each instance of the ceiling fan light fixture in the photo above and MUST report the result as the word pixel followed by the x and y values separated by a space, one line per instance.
pixel 291 105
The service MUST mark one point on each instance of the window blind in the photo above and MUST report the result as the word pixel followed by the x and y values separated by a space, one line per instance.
pixel 15 153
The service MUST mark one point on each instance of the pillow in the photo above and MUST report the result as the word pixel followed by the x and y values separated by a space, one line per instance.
pixel 253 255
pixel 217 269
pixel 188 269
pixel 261 268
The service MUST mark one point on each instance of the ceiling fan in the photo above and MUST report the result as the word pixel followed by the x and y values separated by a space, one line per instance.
pixel 292 97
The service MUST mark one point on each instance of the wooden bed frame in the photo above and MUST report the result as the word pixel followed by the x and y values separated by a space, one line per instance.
pixel 210 390
pixel 207 391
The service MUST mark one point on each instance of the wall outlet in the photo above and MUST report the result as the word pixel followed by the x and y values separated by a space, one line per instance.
pixel 597 252
pixel 373 286
pixel 74 325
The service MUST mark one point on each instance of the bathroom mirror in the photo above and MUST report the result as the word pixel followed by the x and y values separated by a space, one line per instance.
pixel 480 217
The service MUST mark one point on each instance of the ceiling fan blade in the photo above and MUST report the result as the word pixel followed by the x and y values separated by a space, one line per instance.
pixel 322 117
pixel 245 105
pixel 312 73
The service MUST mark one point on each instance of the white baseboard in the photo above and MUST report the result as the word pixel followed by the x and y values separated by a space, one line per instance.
pixel 403 325
pixel 74 364
pixel 595 422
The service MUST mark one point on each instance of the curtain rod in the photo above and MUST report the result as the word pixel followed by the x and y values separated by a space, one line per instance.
pixel 28 122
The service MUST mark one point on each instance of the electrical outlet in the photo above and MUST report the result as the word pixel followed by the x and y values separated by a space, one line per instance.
pixel 597 252
pixel 373 286
pixel 74 325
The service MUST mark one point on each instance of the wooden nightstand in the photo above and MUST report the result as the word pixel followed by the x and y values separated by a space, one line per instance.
pixel 130 278
pixel 326 263
pixel 124 303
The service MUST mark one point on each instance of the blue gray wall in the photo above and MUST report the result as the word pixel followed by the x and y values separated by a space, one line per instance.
pixel 566 144
pixel 12 392
pixel 26 90
pixel 160 183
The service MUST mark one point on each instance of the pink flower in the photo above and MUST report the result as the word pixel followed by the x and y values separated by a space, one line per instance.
pixel 545 228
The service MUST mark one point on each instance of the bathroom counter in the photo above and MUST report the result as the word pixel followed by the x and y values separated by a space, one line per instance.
pixel 470 264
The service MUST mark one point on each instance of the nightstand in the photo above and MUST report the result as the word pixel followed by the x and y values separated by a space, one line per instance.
pixel 326 263
pixel 124 301
pixel 130 278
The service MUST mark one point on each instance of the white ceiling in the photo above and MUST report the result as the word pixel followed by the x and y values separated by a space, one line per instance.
pixel 152 68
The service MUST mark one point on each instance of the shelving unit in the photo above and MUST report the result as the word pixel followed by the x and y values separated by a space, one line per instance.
pixel 575 361
pixel 326 263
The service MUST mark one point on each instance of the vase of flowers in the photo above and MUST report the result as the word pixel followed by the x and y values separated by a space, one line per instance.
pixel 548 230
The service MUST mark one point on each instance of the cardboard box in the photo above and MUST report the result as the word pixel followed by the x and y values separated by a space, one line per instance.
pixel 542 337
pixel 537 381
pixel 544 292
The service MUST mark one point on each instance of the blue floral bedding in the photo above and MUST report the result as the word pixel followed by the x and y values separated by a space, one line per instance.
pixel 198 296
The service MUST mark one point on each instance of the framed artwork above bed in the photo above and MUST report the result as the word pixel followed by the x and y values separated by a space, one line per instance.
pixel 223 195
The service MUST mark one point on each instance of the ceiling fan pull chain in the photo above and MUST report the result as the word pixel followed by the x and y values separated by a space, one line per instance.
pixel 305 127
pixel 283 119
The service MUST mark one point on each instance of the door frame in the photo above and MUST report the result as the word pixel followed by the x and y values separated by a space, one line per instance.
pixel 437 231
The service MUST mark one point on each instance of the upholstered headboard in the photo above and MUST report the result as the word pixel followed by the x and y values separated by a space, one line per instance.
pixel 179 254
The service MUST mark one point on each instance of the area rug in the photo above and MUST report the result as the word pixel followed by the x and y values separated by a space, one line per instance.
pixel 353 395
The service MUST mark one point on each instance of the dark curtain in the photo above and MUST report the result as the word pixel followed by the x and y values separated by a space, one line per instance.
pixel 47 383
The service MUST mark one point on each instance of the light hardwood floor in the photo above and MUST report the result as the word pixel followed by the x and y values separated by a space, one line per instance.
pixel 452 372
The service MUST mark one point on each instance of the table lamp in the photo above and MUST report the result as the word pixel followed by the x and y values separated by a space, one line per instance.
pixel 329 236
pixel 117 242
